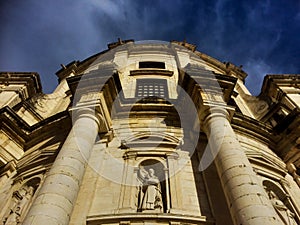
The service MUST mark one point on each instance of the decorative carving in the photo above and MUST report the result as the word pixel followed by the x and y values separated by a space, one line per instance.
pixel 21 198
pixel 150 191
pixel 90 97
pixel 20 202
pixel 293 171
pixel 258 106
pixel 284 213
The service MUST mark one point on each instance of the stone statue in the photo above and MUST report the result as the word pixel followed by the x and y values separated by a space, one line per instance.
pixel 284 213
pixel 151 198
pixel 24 196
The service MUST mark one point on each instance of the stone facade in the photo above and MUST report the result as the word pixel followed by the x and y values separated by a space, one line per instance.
pixel 149 133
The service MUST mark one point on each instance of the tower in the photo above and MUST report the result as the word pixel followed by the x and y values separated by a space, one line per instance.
pixel 149 133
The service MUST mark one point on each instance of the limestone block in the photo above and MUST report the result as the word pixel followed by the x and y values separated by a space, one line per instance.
pixel 53 211
pixel 41 220
pixel 265 215
pixel 52 199
pixel 68 192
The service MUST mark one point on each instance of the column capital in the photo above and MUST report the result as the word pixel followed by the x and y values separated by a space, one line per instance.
pixel 92 105
pixel 89 111
pixel 172 155
pixel 210 112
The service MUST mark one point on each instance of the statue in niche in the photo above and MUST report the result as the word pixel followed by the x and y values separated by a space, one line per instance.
pixel 284 213
pixel 150 192
pixel 21 200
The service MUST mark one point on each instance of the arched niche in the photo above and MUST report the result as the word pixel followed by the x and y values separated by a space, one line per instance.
pixel 281 202
pixel 34 183
pixel 152 180
pixel 20 201
pixel 271 186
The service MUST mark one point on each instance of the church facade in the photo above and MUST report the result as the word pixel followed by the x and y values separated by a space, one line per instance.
pixel 149 133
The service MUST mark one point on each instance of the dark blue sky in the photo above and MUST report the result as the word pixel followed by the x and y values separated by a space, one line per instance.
pixel 39 35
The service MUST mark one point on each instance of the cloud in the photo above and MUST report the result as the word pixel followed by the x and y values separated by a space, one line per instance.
pixel 111 8
pixel 257 70
pixel 40 35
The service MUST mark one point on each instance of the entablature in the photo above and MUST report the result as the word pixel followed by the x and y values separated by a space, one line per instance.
pixel 23 136
pixel 16 87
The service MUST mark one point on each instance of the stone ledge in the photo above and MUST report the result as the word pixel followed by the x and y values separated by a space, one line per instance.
pixel 151 72
pixel 161 217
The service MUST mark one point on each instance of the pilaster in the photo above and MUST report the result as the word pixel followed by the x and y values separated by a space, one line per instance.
pixel 127 202
pixel 175 185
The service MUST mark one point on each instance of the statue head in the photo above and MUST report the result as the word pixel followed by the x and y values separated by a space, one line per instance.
pixel 30 190
pixel 151 172
pixel 272 194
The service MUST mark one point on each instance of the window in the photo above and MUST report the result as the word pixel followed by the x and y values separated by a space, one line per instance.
pixel 149 64
pixel 151 87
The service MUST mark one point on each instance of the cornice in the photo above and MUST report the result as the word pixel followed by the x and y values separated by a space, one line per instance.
pixel 93 81
pixel 78 67
pixel 24 134
pixel 281 80
pixel 118 43
pixel 248 126
pixel 208 81
pixel 281 139
pixel 151 72
pixel 228 67
pixel 30 79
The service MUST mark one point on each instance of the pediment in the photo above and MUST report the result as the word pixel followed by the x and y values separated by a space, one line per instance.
pixel 266 164
pixel 150 139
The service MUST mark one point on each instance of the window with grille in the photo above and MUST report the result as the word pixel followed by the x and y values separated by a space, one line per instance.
pixel 151 87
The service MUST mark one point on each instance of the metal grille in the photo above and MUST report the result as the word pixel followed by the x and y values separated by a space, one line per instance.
pixel 151 87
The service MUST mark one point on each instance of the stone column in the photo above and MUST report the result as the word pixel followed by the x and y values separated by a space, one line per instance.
pixel 246 199
pixel 56 198
pixel 167 189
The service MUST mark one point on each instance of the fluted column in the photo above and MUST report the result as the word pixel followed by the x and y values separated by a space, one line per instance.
pixel 246 199
pixel 57 196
